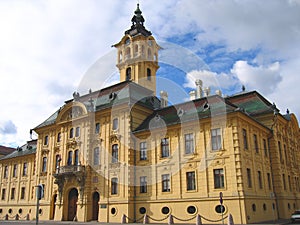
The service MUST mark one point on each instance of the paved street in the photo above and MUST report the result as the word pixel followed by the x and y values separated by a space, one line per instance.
pixel 22 222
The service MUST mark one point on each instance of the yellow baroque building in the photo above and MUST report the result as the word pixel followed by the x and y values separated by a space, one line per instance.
pixel 123 153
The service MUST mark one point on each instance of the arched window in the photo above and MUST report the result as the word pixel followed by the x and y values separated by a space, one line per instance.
pixel 59 137
pixel 44 166
pixel 128 73
pixel 71 135
pixel 127 55
pixel 136 50
pixel 148 74
pixel 70 156
pixel 76 157
pixel 143 50
pixel 77 132
pixel 46 140
pixel 149 54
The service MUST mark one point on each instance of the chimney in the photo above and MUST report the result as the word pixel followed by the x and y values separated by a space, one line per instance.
pixel 192 95
pixel 207 91
pixel 198 88
pixel 163 99
pixel 219 92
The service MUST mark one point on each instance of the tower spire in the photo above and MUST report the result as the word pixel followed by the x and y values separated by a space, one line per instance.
pixel 137 26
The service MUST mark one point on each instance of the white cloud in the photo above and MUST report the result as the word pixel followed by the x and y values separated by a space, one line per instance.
pixel 261 78
pixel 47 47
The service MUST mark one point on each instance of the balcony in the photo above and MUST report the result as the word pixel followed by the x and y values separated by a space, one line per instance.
pixel 70 169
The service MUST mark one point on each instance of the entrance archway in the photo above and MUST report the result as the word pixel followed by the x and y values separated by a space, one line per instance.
pixel 96 198
pixel 72 204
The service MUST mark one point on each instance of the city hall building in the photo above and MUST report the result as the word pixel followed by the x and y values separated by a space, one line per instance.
pixel 122 152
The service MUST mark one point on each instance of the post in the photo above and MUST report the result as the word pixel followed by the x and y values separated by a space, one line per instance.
pixel 37 211
pixel 221 201
pixel 39 195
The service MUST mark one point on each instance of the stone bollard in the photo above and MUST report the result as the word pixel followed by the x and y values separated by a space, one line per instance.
pixel 17 217
pixel 171 221
pixel 123 220
pixel 198 220
pixel 27 216
pixel 146 219
pixel 230 219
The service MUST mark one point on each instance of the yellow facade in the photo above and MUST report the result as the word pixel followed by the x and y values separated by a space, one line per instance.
pixel 117 152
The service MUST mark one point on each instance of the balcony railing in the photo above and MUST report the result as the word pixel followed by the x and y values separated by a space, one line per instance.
pixel 70 169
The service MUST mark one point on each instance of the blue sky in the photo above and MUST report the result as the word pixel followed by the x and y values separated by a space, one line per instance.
pixel 48 48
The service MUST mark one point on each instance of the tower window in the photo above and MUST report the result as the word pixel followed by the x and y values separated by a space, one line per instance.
pixel 148 74
pixel 128 73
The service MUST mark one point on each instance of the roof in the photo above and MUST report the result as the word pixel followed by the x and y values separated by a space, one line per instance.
pixel 188 111
pixel 26 149
pixel 125 92
pixel 6 150
pixel 252 103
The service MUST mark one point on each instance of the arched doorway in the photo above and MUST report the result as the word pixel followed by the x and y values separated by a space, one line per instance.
pixel 72 204
pixel 96 198
pixel 52 211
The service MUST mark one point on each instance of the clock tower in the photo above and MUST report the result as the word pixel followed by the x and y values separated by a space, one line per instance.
pixel 138 54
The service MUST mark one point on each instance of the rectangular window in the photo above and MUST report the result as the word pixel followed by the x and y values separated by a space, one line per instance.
pixel 189 143
pixel 12 194
pixel 24 169
pixel 143 151
pixel 166 183
pixel 285 154
pixel 23 193
pixel 265 147
pixel 260 183
pixel 143 184
pixel 97 128
pixel 269 181
pixel 115 124
pixel 44 166
pixel 115 153
pixel 5 173
pixel 249 178
pixel 245 139
pixel 70 158
pixel 15 170
pixel 219 178
pixel 165 149
pixel 289 182
pixel 284 182
pixel 3 194
pixel 280 152
pixel 191 181
pixel 255 143
pixel 114 186
pixel 96 156
pixel 216 139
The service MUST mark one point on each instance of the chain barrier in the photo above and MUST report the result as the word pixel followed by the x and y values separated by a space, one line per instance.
pixel 157 220
pixel 132 220
pixel 184 220
pixel 225 217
